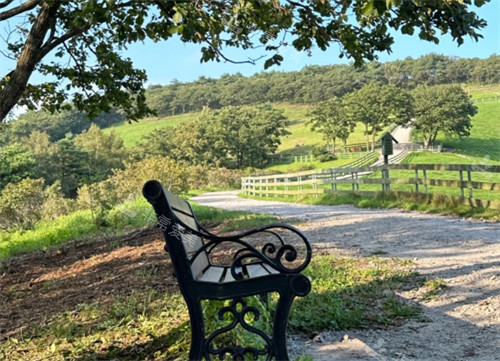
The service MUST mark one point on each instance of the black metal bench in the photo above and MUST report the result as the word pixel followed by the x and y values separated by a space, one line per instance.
pixel 255 263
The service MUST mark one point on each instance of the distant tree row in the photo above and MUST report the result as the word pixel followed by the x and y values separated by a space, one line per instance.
pixel 42 179
pixel 318 83
pixel 56 126
pixel 69 162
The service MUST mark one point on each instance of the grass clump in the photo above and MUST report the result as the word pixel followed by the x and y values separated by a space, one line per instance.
pixel 433 288
pixel 353 293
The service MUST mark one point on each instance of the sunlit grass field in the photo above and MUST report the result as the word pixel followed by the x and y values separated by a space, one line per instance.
pixel 299 142
pixel 133 133
pixel 484 140
pixel 482 91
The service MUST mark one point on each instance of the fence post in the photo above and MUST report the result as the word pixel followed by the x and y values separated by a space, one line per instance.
pixel 286 187
pixel 461 173
pixel 334 178
pixel 275 188
pixel 267 187
pixel 416 180
pixel 469 178
pixel 352 177
pixel 425 180
pixel 315 184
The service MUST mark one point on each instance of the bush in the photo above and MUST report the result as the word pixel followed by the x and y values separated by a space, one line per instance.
pixel 320 153
pixel 21 204
pixel 224 178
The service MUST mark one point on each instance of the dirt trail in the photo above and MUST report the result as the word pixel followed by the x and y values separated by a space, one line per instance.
pixel 465 318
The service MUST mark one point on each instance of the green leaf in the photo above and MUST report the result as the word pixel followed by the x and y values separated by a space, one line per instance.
pixel 177 18
pixel 368 9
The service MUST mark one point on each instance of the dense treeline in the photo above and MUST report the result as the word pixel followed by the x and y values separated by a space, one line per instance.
pixel 55 125
pixel 318 83
pixel 42 179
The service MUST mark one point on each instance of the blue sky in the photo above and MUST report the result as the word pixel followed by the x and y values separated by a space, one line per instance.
pixel 173 59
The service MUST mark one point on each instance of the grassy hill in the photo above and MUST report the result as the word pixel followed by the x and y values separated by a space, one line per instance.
pixel 132 133
pixel 483 142
pixel 299 142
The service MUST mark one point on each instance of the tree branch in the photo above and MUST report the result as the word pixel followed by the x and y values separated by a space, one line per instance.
pixel 220 54
pixel 48 47
pixel 18 10
pixel 5 3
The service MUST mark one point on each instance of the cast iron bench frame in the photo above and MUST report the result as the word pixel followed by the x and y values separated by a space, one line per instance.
pixel 253 272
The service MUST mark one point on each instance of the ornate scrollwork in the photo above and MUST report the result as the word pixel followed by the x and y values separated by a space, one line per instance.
pixel 238 352
pixel 272 254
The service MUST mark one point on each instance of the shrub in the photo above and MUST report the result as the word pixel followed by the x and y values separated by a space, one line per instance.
pixel 21 204
pixel 322 154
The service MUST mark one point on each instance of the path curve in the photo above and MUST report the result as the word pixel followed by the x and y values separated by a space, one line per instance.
pixel 464 253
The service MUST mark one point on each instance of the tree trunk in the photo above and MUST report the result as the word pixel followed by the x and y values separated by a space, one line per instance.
pixel 334 142
pixel 17 80
pixel 426 141
pixel 345 145
pixel 367 137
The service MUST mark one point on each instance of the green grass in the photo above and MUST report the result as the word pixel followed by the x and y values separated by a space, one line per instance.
pixel 303 139
pixel 127 216
pixel 433 287
pixel 149 325
pixel 437 204
pixel 300 142
pixel 47 234
pixel 353 293
pixel 302 166
pixel 484 140
pixel 482 91
pixel 132 133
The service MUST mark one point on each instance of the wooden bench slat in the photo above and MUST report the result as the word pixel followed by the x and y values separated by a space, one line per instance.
pixel 256 270
pixel 270 269
pixel 228 277
pixel 212 274
pixel 199 265
pixel 176 202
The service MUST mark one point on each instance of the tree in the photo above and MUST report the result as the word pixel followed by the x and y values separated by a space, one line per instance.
pixel 377 106
pixel 44 153
pixel 105 152
pixel 16 163
pixel 21 204
pixel 442 108
pixel 91 34
pixel 71 168
pixel 244 135
pixel 331 118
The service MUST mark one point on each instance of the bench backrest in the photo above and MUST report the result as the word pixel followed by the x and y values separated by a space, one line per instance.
pixel 171 212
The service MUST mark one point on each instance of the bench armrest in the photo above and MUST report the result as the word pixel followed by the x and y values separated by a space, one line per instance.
pixel 276 253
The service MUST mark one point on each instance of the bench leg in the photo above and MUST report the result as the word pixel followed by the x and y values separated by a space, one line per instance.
pixel 197 331
pixel 279 326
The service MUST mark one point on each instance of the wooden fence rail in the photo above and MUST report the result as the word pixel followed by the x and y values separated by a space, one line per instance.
pixel 452 180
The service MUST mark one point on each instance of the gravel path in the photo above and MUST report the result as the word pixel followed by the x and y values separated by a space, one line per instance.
pixel 465 254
